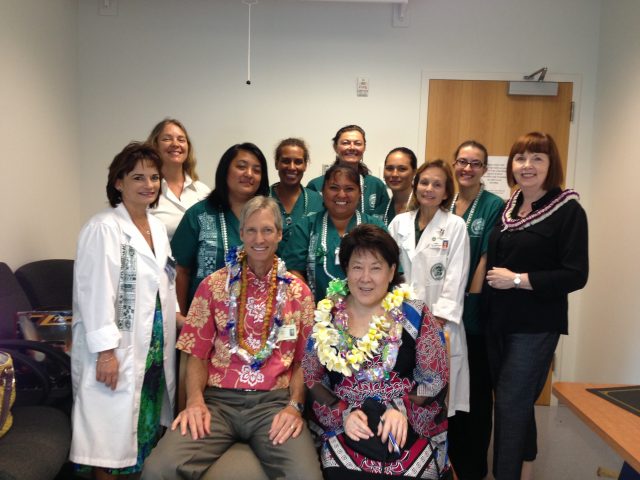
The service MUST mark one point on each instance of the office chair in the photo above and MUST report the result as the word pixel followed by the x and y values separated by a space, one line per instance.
pixel 47 283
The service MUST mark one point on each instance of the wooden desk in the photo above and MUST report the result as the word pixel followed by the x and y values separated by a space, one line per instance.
pixel 618 427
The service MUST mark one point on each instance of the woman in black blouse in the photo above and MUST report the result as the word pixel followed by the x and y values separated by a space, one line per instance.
pixel 538 254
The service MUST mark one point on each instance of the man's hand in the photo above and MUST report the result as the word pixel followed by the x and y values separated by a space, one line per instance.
pixel 287 423
pixel 196 418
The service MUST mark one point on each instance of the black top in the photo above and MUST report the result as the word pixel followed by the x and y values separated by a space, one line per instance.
pixel 554 252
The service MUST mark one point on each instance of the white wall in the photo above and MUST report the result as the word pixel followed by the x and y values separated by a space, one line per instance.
pixel 609 332
pixel 187 59
pixel 40 183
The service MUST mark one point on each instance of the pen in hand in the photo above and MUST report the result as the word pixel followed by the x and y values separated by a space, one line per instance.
pixel 392 439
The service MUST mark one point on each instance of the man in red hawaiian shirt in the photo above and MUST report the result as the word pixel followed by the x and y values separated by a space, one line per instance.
pixel 245 334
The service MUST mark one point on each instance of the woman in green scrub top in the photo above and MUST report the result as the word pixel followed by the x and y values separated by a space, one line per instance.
pixel 314 243
pixel 470 432
pixel 295 201
pixel 349 143
pixel 210 227
pixel 400 167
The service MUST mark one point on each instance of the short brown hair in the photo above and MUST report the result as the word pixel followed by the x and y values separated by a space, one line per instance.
pixel 367 237
pixel 124 163
pixel 189 165
pixel 449 188
pixel 538 142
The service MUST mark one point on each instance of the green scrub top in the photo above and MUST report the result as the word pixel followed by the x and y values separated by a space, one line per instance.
pixel 308 203
pixel 374 193
pixel 484 218
pixel 307 254
pixel 198 243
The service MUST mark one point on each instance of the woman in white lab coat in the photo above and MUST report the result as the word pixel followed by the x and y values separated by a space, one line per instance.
pixel 123 323
pixel 434 254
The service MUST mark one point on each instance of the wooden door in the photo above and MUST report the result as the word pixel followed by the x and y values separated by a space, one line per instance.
pixel 482 110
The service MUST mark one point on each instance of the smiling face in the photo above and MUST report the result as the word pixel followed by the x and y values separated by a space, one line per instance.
pixel 140 187
pixel 173 146
pixel 431 188
pixel 398 173
pixel 341 195
pixel 368 277
pixel 260 237
pixel 243 178
pixel 475 166
pixel 350 147
pixel 291 165
pixel 530 170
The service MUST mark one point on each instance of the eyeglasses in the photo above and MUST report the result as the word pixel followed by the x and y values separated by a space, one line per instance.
pixel 463 163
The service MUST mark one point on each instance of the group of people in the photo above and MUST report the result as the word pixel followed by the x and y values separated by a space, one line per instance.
pixel 386 325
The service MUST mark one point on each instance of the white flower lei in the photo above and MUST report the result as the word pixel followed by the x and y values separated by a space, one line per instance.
pixel 345 357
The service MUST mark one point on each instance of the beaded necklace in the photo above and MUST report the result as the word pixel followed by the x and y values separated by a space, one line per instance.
pixel 237 281
pixel 536 216
pixel 223 228
pixel 452 209
pixel 243 307
pixel 361 193
pixel 406 206
pixel 323 241
pixel 341 352
pixel 285 215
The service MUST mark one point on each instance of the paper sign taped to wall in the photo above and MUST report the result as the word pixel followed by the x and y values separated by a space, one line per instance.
pixel 495 180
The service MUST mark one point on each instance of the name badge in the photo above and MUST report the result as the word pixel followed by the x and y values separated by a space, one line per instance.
pixel 436 243
pixel 170 268
pixel 287 332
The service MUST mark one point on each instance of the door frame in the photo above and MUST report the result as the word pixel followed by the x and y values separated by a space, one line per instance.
pixel 564 356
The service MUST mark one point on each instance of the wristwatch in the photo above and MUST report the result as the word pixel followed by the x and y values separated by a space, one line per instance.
pixel 517 280
pixel 297 405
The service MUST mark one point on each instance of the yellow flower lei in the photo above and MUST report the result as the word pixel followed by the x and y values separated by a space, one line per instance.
pixel 329 340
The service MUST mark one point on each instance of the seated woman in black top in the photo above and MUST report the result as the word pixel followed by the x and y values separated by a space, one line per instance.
pixel 378 371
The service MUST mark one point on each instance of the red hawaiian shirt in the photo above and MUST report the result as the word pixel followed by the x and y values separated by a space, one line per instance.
pixel 205 336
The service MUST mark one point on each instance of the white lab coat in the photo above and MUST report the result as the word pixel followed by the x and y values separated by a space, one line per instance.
pixel 105 421
pixel 437 269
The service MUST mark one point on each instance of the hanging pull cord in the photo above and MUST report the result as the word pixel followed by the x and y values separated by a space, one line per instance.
pixel 249 3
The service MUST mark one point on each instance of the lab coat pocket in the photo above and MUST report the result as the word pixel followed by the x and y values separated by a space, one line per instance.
pixel 436 266
pixel 125 375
